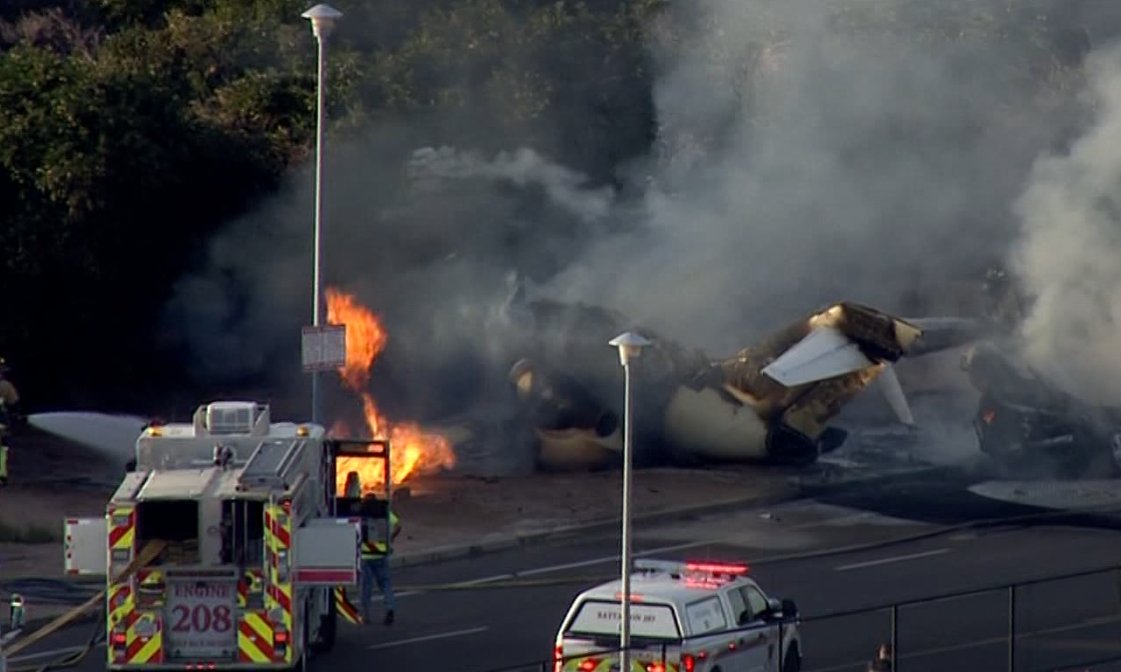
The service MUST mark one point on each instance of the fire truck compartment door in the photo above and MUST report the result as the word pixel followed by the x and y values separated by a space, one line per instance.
pixel 327 551
pixel 86 546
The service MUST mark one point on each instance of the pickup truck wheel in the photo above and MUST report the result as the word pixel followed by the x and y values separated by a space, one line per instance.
pixel 793 660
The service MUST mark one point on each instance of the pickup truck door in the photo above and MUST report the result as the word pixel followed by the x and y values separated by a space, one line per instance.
pixel 326 552
pixel 86 546
pixel 761 642
pixel 749 644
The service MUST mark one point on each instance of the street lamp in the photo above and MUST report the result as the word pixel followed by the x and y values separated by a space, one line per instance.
pixel 630 347
pixel 323 19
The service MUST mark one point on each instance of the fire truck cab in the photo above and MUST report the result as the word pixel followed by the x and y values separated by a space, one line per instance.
pixel 252 548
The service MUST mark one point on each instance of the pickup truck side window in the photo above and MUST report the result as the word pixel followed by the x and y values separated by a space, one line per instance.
pixel 755 601
pixel 740 612
pixel 706 616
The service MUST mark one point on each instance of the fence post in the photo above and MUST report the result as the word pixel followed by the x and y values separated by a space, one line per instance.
pixel 781 651
pixel 1011 628
pixel 894 637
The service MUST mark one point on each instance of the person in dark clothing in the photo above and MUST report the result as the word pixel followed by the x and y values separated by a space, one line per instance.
pixel 882 661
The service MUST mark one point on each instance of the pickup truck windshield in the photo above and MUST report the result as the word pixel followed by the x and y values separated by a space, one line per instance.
pixel 601 617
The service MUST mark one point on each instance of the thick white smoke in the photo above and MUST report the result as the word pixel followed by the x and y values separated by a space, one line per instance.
pixel 523 167
pixel 807 152
pixel 1070 257
pixel 811 154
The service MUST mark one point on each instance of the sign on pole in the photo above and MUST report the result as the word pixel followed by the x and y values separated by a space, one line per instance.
pixel 324 348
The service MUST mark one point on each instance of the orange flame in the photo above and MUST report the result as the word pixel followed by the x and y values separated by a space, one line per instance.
pixel 411 450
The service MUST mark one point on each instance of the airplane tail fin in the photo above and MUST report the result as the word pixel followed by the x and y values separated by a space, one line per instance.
pixel 893 392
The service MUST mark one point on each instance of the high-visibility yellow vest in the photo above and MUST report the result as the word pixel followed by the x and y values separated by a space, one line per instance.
pixel 377 549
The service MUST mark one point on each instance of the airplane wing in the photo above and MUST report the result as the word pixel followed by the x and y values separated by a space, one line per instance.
pixel 824 353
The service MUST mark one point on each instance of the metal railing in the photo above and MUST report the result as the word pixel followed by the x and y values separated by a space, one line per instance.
pixel 1058 623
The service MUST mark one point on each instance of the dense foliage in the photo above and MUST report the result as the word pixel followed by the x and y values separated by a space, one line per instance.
pixel 130 130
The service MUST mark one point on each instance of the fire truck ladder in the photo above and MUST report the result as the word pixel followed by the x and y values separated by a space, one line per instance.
pixel 270 463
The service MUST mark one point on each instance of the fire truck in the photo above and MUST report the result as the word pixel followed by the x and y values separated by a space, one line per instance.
pixel 255 545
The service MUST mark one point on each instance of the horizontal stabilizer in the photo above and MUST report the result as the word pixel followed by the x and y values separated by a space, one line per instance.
pixel 943 333
pixel 824 353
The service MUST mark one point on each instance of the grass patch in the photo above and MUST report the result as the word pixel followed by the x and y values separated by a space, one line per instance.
pixel 28 534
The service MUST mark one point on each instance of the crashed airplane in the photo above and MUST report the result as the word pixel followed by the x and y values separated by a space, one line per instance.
pixel 1025 423
pixel 1030 427
pixel 772 402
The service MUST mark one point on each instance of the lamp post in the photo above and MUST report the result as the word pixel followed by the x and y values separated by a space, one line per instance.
pixel 630 346
pixel 323 19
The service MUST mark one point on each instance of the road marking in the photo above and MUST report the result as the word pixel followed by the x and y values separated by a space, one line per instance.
pixel 554 568
pixel 896 558
pixel 428 638
pixel 1088 623
pixel 582 563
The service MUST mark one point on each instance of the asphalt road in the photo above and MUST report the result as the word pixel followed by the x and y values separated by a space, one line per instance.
pixel 496 626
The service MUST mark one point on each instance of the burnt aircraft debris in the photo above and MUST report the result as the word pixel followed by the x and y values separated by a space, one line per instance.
pixel 769 403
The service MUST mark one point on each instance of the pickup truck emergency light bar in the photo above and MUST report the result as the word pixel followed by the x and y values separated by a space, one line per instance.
pixel 730 569
pixel 714 569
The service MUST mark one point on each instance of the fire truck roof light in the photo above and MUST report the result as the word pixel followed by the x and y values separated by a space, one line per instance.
pixel 717 567
pixel 634 597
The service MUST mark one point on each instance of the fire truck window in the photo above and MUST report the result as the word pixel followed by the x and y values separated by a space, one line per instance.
pixel 175 521
pixel 243 532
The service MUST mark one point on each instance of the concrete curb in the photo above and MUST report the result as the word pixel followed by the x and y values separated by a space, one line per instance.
pixel 791 492
pixel 503 542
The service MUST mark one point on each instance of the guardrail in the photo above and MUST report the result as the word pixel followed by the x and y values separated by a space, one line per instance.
pixel 1059 623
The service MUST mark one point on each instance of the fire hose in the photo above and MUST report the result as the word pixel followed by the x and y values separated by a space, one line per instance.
pixel 51 591
pixel 147 554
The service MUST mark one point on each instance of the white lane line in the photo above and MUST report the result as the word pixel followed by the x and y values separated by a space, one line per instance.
pixel 554 568
pixel 582 563
pixel 896 558
pixel 428 638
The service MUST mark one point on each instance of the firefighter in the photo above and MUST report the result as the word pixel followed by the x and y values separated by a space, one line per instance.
pixel 375 556
pixel 9 404
pixel 3 458
pixel 9 398
pixel 16 611
pixel 353 488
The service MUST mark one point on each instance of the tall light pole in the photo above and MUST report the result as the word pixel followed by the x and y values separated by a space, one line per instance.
pixel 323 19
pixel 630 346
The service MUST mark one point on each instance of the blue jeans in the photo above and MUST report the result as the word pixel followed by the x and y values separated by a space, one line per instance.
pixel 376 570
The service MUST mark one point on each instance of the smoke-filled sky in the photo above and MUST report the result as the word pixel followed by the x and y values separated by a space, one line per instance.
pixel 804 155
